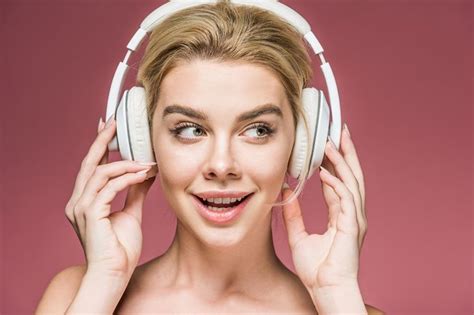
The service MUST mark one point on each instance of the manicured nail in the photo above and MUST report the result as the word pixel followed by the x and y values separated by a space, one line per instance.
pixel 147 163
pixel 323 169
pixel 285 185
pixel 331 143
pixel 151 172
pixel 109 121
pixel 347 130
pixel 142 172
pixel 99 127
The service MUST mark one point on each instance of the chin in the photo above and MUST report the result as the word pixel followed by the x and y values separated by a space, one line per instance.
pixel 218 238
pixel 225 235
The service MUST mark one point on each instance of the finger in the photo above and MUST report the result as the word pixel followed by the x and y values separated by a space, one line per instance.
pixel 80 181
pixel 136 195
pixel 344 173
pixel 350 155
pixel 330 197
pixel 101 125
pixel 293 220
pixel 105 173
pixel 331 194
pixel 102 175
pixel 104 159
pixel 342 169
pixel 100 207
pixel 347 218
pixel 92 158
pixel 98 147
pixel 72 220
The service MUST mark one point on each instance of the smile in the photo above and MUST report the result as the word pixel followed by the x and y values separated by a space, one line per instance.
pixel 221 213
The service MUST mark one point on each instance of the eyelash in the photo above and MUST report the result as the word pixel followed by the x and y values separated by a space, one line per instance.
pixel 179 127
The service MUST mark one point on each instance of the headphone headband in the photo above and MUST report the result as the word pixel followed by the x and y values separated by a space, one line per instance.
pixel 285 12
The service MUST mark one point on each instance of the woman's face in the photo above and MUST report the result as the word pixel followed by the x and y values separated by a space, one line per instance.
pixel 222 152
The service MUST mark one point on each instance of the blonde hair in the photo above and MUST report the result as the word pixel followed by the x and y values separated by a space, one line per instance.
pixel 224 32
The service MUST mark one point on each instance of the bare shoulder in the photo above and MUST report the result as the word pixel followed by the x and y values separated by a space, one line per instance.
pixel 61 290
pixel 371 310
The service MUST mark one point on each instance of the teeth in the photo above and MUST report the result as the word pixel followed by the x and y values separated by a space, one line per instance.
pixel 222 200
pixel 218 209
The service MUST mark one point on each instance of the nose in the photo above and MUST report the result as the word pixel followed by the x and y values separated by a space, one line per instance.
pixel 221 164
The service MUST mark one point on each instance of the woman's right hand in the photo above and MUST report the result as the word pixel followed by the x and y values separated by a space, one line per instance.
pixel 112 243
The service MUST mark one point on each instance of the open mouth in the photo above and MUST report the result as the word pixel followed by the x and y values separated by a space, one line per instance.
pixel 222 206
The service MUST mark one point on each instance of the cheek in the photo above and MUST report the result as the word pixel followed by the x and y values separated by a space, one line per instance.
pixel 267 164
pixel 178 167
pixel 267 169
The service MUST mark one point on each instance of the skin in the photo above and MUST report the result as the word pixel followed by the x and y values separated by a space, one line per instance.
pixel 230 266
pixel 212 268
pixel 234 267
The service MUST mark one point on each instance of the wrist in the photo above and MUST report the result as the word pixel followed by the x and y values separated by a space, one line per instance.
pixel 339 300
pixel 99 292
pixel 106 274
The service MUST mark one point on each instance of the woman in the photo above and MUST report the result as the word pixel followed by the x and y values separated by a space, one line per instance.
pixel 205 70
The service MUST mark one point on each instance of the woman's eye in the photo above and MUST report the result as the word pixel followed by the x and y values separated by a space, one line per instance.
pixel 262 131
pixel 178 130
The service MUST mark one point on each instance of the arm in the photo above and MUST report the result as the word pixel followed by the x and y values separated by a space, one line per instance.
pixel 98 293
pixel 74 290
pixel 345 300
pixel 61 290
pixel 339 300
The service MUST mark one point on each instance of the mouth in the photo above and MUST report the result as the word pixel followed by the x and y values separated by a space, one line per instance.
pixel 223 213
pixel 222 206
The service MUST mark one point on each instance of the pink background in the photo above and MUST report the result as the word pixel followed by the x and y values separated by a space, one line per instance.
pixel 404 71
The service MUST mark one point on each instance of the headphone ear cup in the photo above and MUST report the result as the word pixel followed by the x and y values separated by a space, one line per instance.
pixel 137 126
pixel 317 111
pixel 321 135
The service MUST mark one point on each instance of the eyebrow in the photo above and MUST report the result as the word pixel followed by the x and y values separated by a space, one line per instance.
pixel 267 108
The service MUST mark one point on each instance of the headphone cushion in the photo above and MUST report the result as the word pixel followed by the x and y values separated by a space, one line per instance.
pixel 138 126
pixel 310 101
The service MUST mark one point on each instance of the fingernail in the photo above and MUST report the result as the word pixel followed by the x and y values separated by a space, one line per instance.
pixel 285 185
pixel 347 130
pixel 99 127
pixel 142 172
pixel 331 143
pixel 147 163
pixel 324 170
pixel 152 172
pixel 109 121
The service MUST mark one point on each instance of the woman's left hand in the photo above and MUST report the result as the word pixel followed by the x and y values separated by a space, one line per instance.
pixel 331 260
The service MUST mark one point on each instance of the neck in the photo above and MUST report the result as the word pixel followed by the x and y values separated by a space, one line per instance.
pixel 247 266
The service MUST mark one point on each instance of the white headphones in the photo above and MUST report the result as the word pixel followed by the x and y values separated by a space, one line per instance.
pixel 133 131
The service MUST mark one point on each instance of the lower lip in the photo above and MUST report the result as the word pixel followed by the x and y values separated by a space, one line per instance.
pixel 220 217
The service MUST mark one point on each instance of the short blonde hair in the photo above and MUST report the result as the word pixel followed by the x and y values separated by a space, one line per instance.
pixel 227 32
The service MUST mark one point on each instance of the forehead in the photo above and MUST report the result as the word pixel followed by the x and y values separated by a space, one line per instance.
pixel 227 87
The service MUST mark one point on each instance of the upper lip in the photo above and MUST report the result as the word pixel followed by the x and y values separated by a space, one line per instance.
pixel 222 194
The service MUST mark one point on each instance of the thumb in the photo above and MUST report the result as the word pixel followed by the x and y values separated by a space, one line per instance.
pixel 293 219
pixel 136 195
